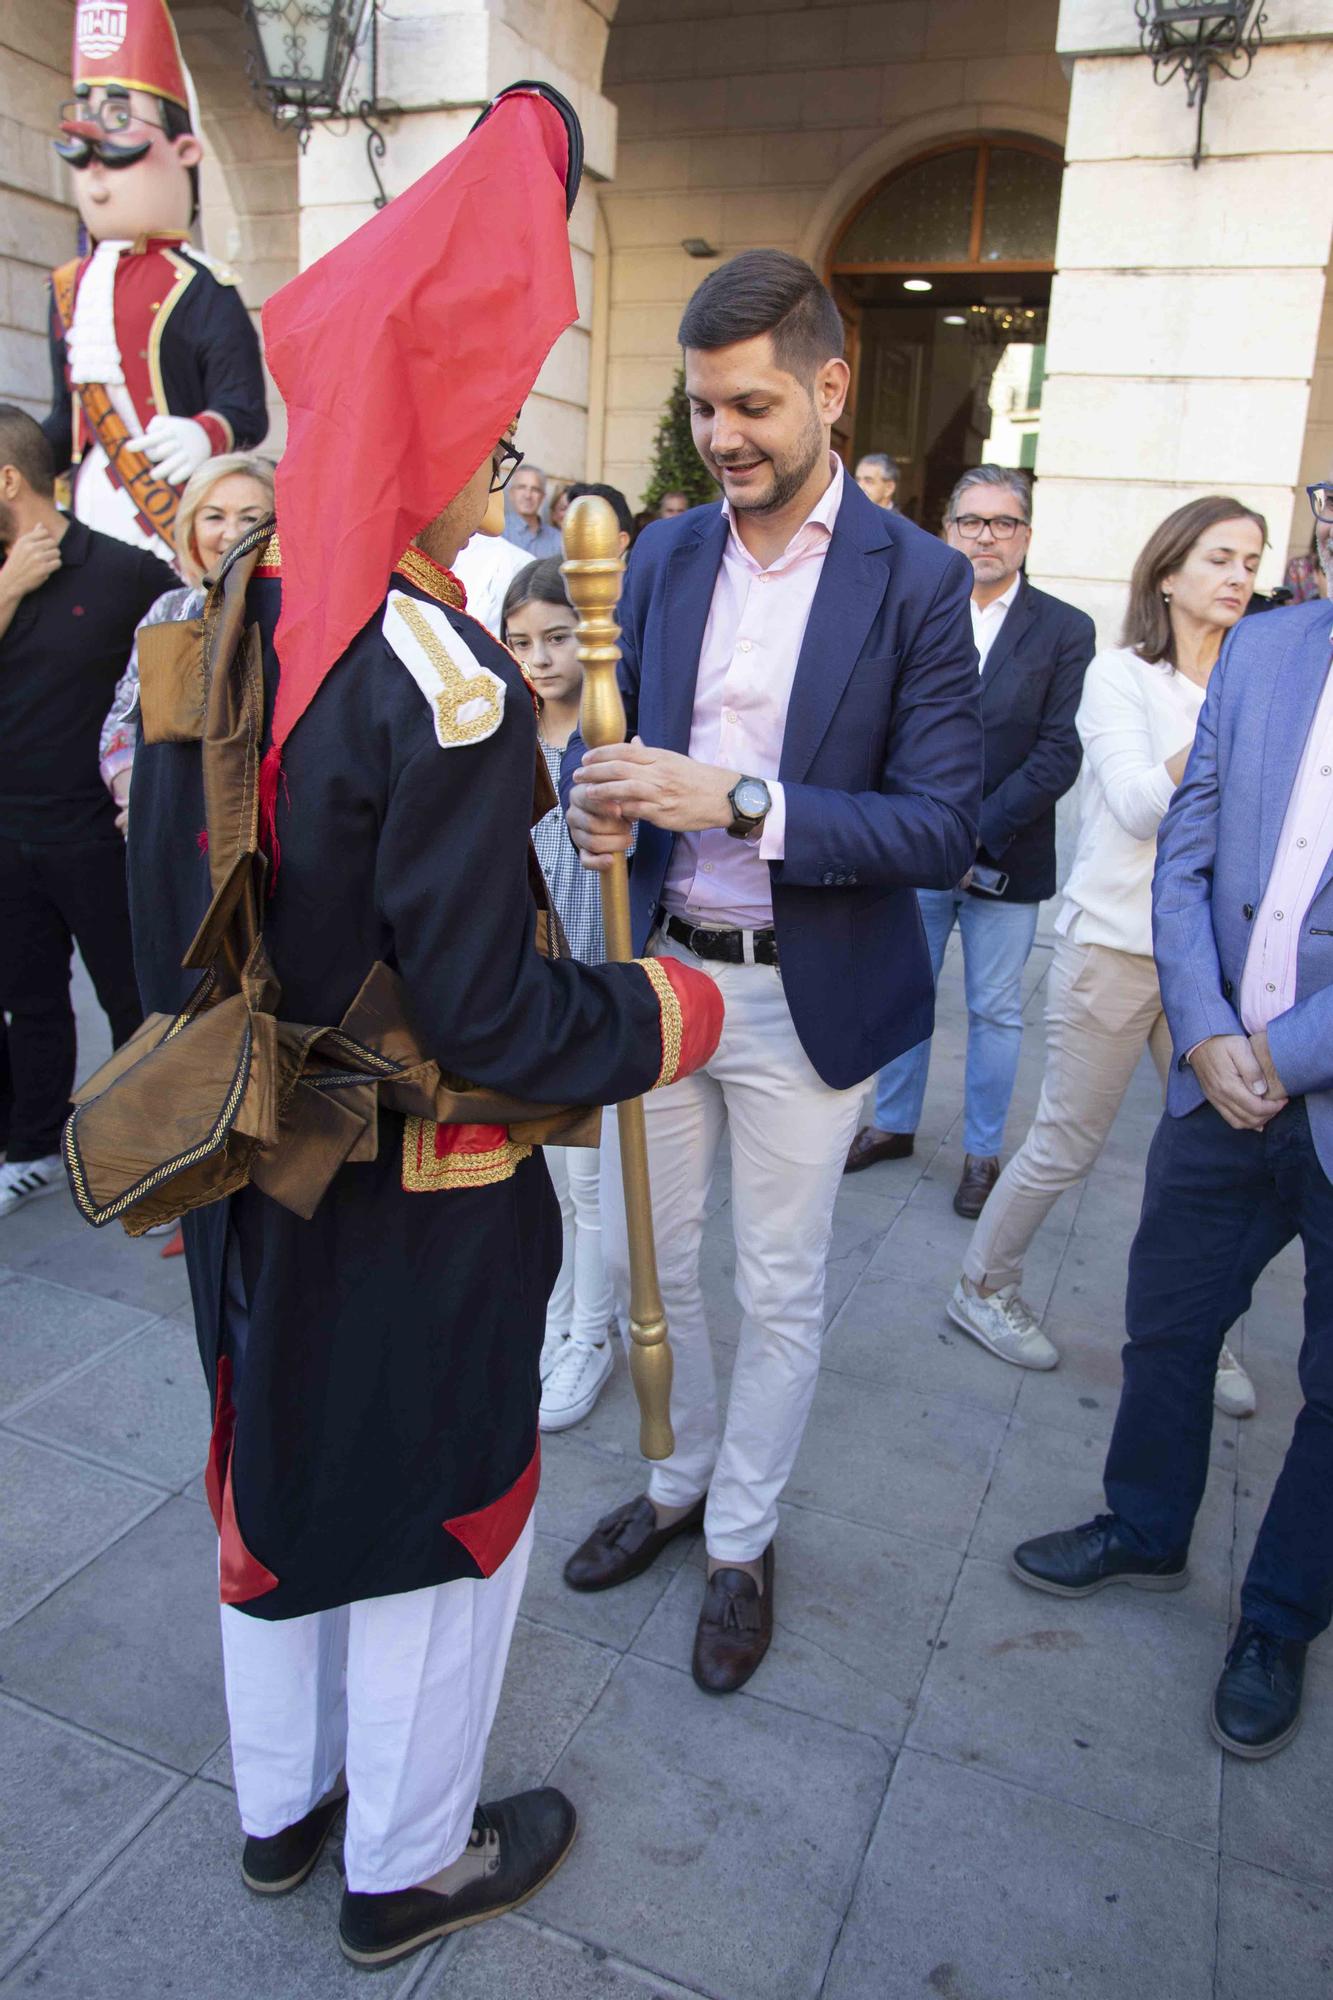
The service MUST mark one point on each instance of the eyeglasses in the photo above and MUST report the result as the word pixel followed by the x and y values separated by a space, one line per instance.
pixel 113 114
pixel 1321 502
pixel 504 464
pixel 1002 526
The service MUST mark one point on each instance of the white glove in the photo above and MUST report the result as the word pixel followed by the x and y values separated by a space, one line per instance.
pixel 174 446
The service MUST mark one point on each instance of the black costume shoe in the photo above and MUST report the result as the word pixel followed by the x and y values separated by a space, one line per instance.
pixel 1257 1701
pixel 282 1861
pixel 518 1844
pixel 1075 1562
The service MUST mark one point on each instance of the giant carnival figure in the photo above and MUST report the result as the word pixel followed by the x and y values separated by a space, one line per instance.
pixel 155 362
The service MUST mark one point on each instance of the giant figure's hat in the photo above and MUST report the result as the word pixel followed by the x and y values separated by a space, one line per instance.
pixel 131 43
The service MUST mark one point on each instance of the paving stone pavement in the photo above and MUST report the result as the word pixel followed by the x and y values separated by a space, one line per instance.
pixel 937 1785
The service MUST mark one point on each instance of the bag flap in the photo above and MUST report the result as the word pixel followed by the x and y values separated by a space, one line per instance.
pixel 165 1112
pixel 171 681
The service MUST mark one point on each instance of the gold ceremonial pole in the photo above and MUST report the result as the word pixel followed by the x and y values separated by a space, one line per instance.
pixel 592 570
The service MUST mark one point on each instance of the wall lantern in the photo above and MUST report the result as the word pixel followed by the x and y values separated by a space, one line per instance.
pixel 303 54
pixel 1194 38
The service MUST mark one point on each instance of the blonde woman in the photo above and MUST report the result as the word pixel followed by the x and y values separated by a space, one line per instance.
pixel 226 497
pixel 1192 582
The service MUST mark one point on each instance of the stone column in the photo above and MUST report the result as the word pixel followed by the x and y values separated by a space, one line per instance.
pixel 1185 315
pixel 38 224
pixel 440 62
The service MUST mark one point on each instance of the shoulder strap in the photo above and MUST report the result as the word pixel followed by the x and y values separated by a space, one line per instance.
pixel 233 722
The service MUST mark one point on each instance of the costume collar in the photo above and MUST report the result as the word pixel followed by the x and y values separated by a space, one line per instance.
pixel 437 582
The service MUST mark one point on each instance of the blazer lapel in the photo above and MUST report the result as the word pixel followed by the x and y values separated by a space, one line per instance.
pixel 849 594
pixel 1016 621
pixel 691 576
pixel 1297 685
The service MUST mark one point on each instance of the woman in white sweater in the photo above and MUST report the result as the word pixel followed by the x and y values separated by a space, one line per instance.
pixel 1141 701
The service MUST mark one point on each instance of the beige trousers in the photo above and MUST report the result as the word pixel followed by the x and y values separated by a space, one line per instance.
pixel 1102 1008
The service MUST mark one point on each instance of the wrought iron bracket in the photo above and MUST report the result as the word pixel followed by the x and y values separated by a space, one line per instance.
pixel 1225 38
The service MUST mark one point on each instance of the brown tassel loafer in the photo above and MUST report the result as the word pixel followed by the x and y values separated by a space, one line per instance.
pixel 625 1543
pixel 870 1145
pixel 735 1628
pixel 979 1177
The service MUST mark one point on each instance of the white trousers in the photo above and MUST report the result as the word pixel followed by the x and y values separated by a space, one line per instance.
pixel 399 1691
pixel 789 1138
pixel 582 1303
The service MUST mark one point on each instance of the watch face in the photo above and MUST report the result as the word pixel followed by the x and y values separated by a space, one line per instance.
pixel 751 798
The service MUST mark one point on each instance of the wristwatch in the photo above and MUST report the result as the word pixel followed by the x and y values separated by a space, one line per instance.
pixel 750 800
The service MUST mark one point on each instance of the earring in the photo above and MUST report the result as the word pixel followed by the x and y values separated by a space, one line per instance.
pixel 1166 597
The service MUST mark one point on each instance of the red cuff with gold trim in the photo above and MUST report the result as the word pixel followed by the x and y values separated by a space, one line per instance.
pixel 692 1015
pixel 220 433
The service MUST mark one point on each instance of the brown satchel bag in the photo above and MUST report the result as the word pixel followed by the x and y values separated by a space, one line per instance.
pixel 199 1104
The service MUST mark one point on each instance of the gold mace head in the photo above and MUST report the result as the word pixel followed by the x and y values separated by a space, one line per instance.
pixel 592 569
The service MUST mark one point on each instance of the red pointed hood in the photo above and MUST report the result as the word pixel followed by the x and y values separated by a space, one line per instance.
pixel 403 356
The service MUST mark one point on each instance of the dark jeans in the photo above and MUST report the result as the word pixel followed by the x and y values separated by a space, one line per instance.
pixel 1217 1207
pixel 51 896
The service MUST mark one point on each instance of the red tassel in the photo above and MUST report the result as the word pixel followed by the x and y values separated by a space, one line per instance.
pixel 270 770
pixel 201 840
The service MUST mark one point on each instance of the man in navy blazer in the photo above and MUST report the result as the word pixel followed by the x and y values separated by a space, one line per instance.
pixel 801 687
pixel 1241 1163
pixel 1034 651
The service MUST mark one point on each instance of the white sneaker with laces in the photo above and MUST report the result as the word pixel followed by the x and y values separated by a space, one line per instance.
pixel 1004 1323
pixel 574 1384
pixel 552 1348
pixel 1233 1391
pixel 25 1180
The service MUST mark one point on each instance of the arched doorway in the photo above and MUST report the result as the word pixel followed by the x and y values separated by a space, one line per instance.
pixel 943 274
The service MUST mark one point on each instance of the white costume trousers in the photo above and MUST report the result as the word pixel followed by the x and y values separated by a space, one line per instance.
pixel 789 1138
pixel 582 1303
pixel 400 1691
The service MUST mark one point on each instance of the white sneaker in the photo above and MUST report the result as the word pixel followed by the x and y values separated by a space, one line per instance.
pixel 1003 1323
pixel 1233 1391
pixel 574 1384
pixel 24 1180
pixel 552 1348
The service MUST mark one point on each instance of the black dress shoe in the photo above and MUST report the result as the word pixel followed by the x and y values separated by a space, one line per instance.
pixel 973 1190
pixel 735 1628
pixel 1075 1562
pixel 870 1144
pixel 1257 1701
pixel 282 1861
pixel 517 1843
pixel 625 1543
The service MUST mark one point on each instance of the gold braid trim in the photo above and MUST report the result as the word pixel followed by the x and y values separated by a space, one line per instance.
pixel 672 1021
pixel 456 690
pixel 423 1173
pixel 270 556
pixel 440 584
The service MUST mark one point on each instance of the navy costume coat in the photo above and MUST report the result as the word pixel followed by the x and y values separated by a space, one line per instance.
pixel 380 1360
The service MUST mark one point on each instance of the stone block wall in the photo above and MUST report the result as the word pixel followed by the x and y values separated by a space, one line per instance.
pixel 759 125
pixel 38 224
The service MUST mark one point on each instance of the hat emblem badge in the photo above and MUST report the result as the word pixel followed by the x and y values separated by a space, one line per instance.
pixel 101 27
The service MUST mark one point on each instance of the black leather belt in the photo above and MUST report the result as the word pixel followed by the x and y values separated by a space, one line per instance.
pixel 728 945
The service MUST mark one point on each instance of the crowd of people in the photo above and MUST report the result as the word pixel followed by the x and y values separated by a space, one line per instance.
pixel 846 738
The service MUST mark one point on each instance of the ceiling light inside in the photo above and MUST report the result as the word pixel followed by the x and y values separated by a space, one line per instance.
pixel 955 319
pixel 917 285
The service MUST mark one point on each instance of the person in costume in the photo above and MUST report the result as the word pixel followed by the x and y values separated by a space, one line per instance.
pixel 155 363
pixel 374 1368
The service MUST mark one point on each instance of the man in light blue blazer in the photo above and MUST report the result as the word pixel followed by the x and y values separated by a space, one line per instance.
pixel 1241 1163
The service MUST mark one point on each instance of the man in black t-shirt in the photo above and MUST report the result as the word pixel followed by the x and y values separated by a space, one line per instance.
pixel 69 602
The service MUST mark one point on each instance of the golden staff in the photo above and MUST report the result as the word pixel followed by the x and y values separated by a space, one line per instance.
pixel 592 570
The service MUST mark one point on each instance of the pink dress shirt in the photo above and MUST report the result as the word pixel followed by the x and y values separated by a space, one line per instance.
pixel 1268 983
pixel 747 664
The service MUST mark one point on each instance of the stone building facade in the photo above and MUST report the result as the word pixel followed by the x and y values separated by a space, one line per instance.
pixel 1026 257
